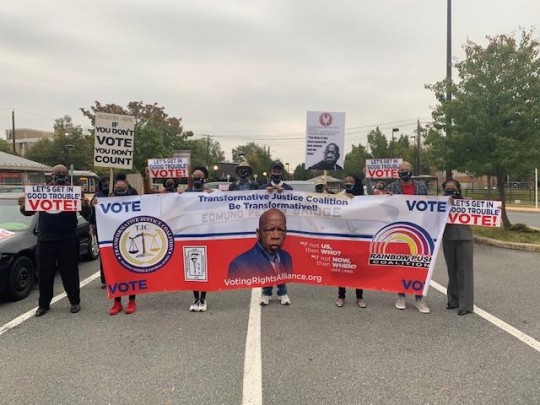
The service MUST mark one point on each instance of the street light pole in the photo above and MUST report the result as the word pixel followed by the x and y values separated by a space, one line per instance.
pixel 394 130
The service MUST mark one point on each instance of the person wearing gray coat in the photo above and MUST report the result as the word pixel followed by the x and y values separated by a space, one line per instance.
pixel 458 254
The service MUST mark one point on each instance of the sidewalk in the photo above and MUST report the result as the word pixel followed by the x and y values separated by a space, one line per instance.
pixel 525 208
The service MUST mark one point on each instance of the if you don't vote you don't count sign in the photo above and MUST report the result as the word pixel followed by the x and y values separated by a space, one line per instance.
pixel 52 198
pixel 113 140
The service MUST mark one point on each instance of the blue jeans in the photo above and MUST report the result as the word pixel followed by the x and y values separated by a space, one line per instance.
pixel 281 290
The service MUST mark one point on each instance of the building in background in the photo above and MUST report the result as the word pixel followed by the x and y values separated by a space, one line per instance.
pixel 25 139
pixel 18 170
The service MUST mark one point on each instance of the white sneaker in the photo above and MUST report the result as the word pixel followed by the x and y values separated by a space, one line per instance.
pixel 285 300
pixel 400 303
pixel 195 306
pixel 202 306
pixel 422 306
pixel 265 300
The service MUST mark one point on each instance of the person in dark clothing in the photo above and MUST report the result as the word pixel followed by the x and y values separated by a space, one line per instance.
pixel 58 243
pixel 170 185
pixel 353 187
pixel 199 175
pixel 275 184
pixel 121 189
pixel 243 171
pixel 103 192
pixel 122 176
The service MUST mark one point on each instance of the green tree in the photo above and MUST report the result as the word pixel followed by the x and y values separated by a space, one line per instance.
pixel 205 152
pixel 495 110
pixel 355 160
pixel 157 134
pixel 301 173
pixel 5 146
pixel 70 145
pixel 378 144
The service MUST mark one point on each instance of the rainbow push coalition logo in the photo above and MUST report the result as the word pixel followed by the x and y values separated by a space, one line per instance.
pixel 143 244
pixel 401 244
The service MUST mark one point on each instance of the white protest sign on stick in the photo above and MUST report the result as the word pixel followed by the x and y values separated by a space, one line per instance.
pixel 52 198
pixel 113 141
pixel 475 212
pixel 168 168
pixel 382 168
pixel 325 138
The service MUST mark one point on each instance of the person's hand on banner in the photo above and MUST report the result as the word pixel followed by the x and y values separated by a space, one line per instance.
pixel 21 201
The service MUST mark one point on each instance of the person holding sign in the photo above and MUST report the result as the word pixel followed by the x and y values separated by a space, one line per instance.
pixel 198 178
pixel 121 189
pixel 103 191
pixel 353 187
pixel 58 245
pixel 406 185
pixel 276 184
pixel 458 255
pixel 243 171
pixel 330 158
pixel 170 185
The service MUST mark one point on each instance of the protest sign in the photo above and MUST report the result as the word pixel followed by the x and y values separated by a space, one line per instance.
pixel 113 140
pixel 52 198
pixel 475 212
pixel 209 241
pixel 325 135
pixel 169 168
pixel 382 168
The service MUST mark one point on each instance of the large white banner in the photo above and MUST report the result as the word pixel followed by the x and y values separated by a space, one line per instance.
pixel 325 138
pixel 113 140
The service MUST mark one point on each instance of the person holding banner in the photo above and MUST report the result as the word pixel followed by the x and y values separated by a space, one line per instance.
pixel 353 187
pixel 199 176
pixel 103 191
pixel 458 255
pixel 243 171
pixel 58 245
pixel 121 189
pixel 276 184
pixel 406 185
pixel 170 185
pixel 122 177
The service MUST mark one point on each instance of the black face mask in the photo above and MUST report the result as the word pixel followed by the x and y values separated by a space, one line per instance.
pixel 349 187
pixel 121 192
pixel 276 178
pixel 452 193
pixel 243 173
pixel 197 182
pixel 319 189
pixel 60 179
pixel 405 176
pixel 105 190
pixel 170 187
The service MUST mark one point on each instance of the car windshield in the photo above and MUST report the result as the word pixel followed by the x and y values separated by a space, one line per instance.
pixel 11 218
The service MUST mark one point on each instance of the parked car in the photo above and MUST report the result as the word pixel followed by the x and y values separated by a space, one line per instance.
pixel 18 240
pixel 301 185
pixel 11 189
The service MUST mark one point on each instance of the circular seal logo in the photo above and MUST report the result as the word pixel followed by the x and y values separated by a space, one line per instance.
pixel 326 119
pixel 143 244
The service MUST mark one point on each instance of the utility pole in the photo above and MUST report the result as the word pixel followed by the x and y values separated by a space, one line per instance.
pixel 448 72
pixel 13 130
pixel 208 151
pixel 418 146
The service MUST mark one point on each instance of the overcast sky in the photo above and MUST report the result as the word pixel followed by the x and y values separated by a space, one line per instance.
pixel 244 70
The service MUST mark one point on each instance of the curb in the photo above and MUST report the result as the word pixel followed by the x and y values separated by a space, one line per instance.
pixel 529 247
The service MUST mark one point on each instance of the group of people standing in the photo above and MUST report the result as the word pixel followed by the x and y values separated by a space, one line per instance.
pixel 58 240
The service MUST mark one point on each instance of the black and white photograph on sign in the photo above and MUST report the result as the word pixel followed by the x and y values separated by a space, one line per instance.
pixel 113 141
pixel 325 134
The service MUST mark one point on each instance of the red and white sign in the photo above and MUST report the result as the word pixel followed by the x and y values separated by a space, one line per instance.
pixel 475 212
pixel 169 168
pixel 52 198
pixel 382 168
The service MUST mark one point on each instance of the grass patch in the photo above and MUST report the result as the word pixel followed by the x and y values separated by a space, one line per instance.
pixel 518 233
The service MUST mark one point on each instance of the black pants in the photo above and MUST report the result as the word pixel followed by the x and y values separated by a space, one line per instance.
pixel 202 295
pixel 65 253
pixel 341 293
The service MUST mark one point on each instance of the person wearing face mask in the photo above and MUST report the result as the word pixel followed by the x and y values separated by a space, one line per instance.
pixel 199 175
pixel 103 191
pixel 58 246
pixel 406 185
pixel 121 189
pixel 243 171
pixel 122 177
pixel 170 185
pixel 458 255
pixel 353 187
pixel 276 184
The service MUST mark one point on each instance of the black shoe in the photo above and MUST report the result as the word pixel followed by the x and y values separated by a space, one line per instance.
pixel 451 306
pixel 41 311
pixel 463 312
pixel 75 308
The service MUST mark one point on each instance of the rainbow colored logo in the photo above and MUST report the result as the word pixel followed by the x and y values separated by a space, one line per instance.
pixel 401 244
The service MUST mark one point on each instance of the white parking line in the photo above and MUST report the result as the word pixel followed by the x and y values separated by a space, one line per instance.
pixel 252 385
pixel 27 315
pixel 497 322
